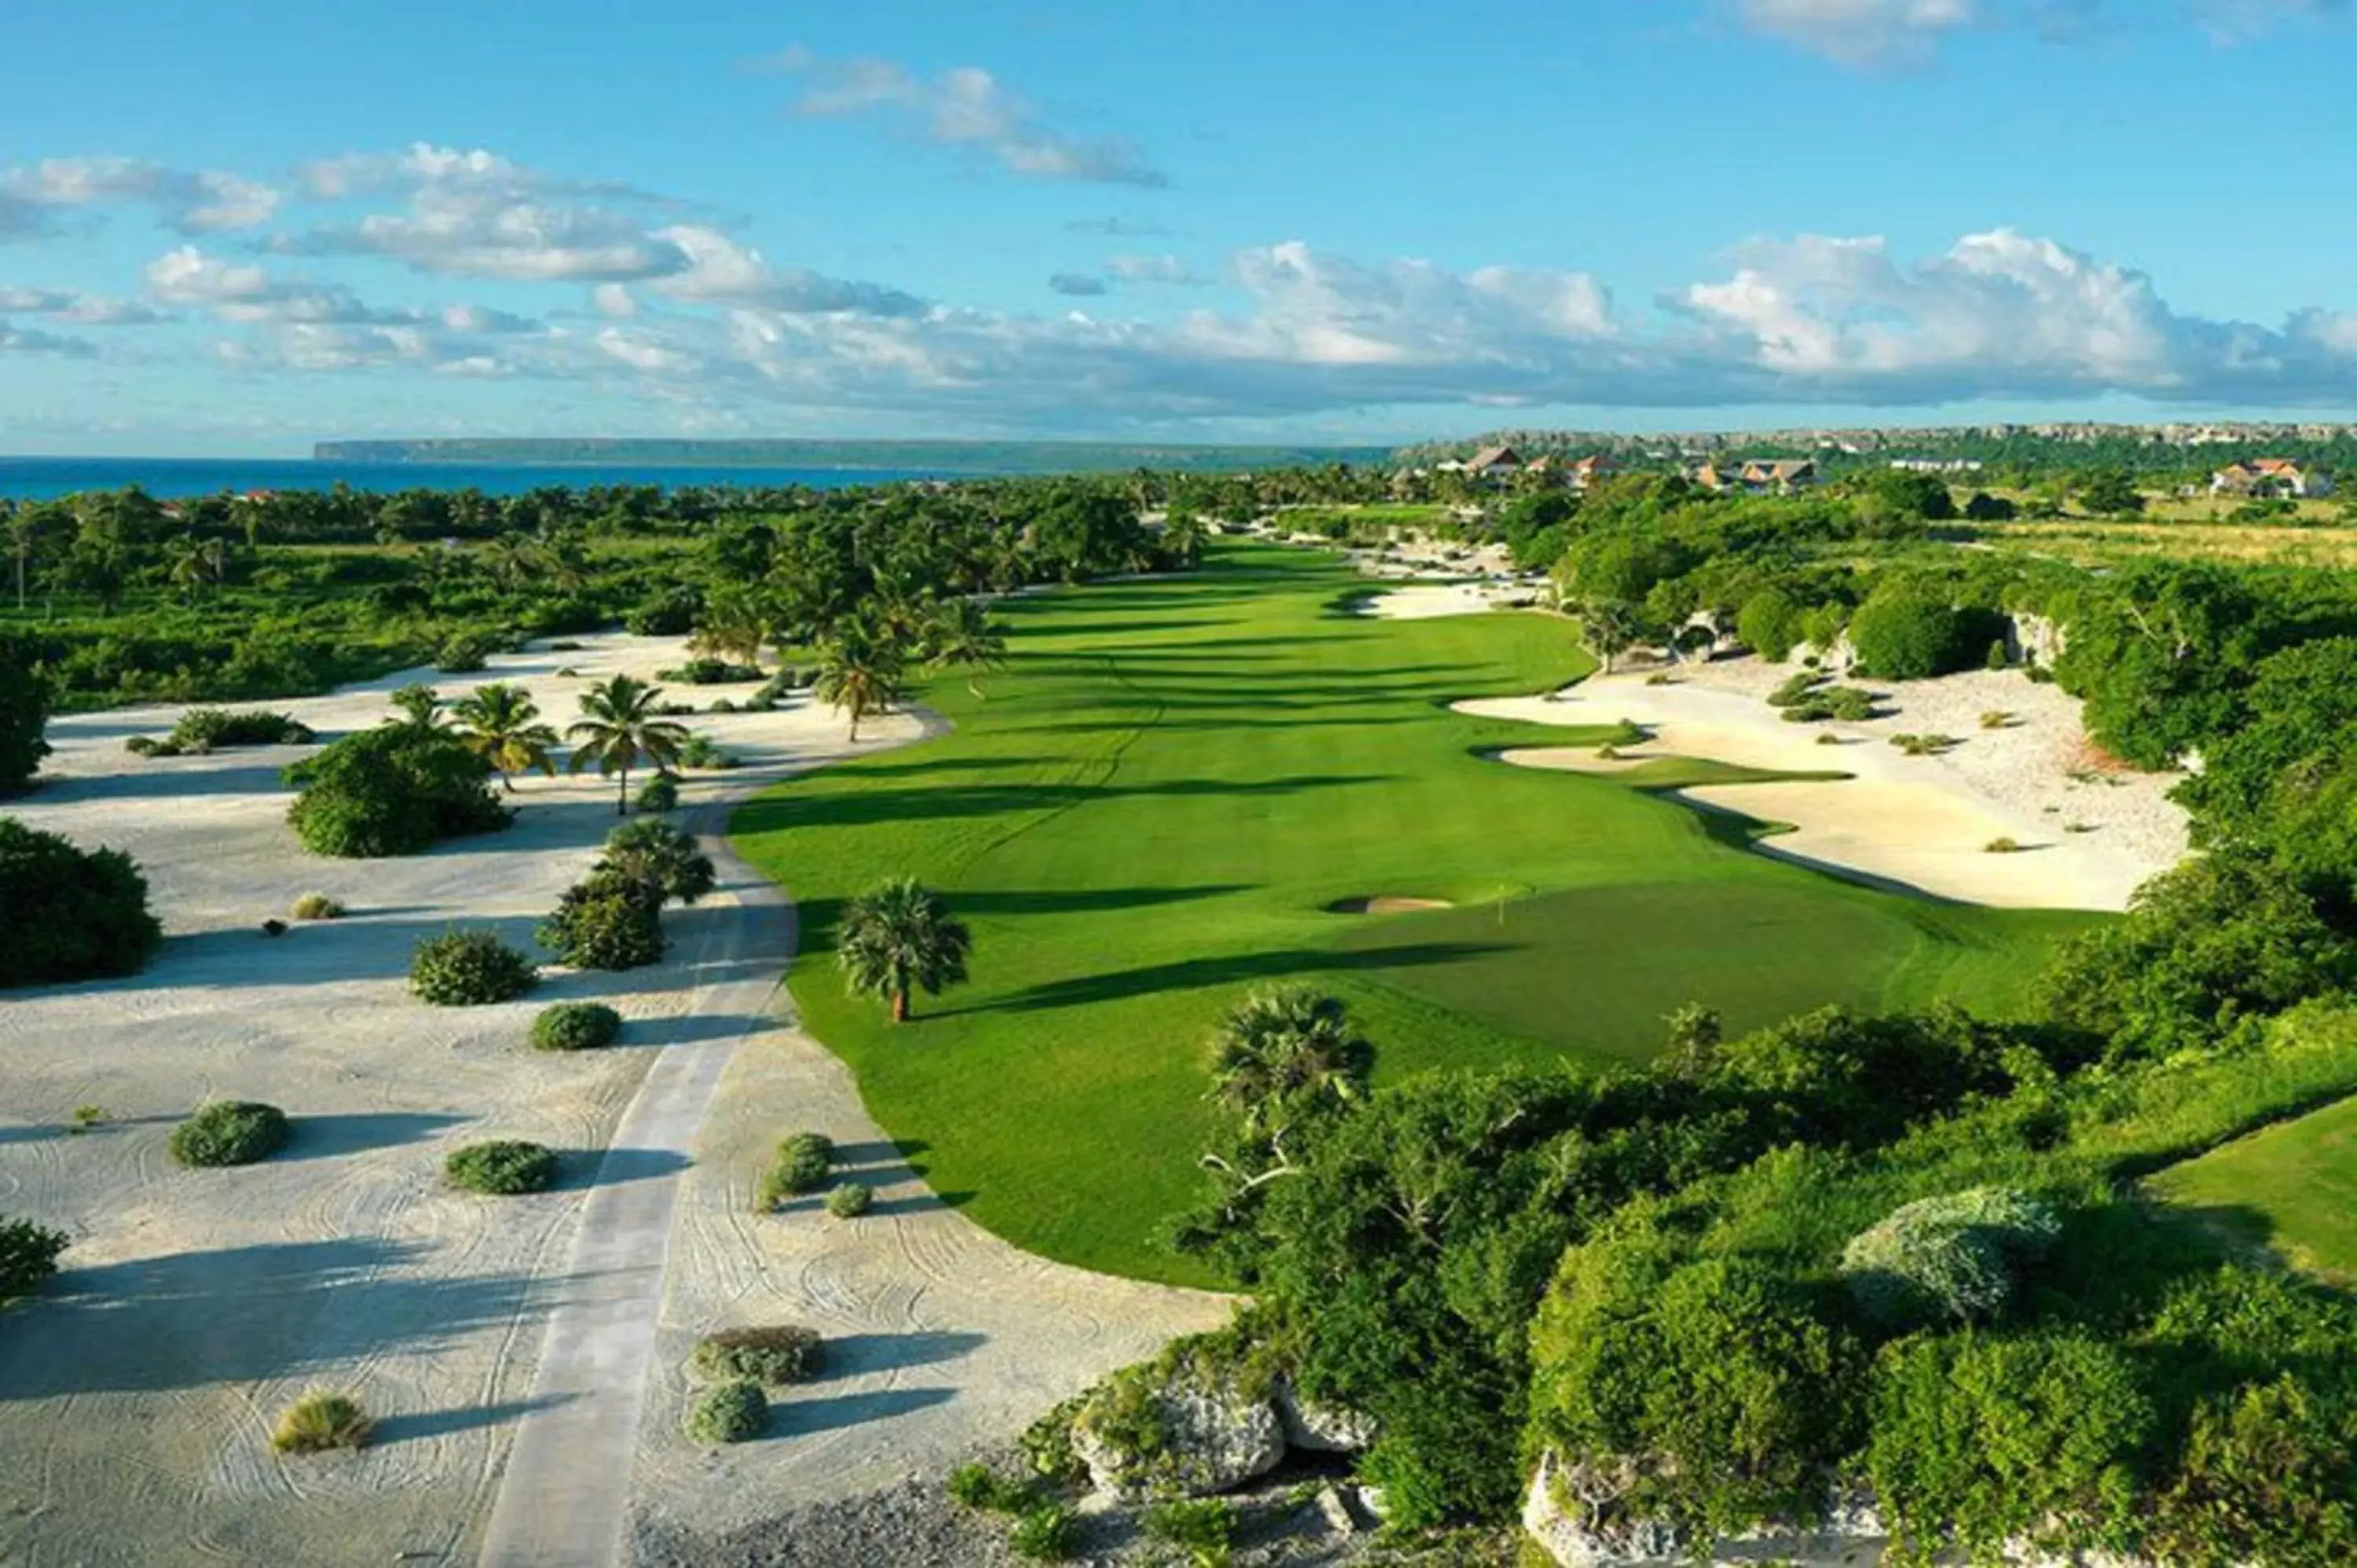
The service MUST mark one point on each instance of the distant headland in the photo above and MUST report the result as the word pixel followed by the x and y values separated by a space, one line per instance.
pixel 971 458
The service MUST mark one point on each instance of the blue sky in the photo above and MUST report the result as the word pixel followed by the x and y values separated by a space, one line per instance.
pixel 241 226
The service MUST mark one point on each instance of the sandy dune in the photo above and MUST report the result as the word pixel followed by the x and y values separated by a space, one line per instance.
pixel 137 1394
pixel 1921 823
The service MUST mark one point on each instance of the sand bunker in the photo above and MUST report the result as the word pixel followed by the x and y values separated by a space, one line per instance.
pixel 1920 823
pixel 1424 601
pixel 1386 904
pixel 137 1392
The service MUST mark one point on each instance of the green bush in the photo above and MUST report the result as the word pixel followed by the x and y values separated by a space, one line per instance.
pixel 800 1165
pixel 1770 625
pixel 501 1167
pixel 784 1354
pixel 734 1411
pixel 25 699
pixel 462 653
pixel 316 906
pixel 702 753
pixel 229 1132
pixel 660 793
pixel 1049 1533
pixel 320 1422
pixel 1980 1440
pixel 1203 1528
pixel 214 729
pixel 469 969
pixel 1904 633
pixel 710 673
pixel 394 790
pixel 575 1026
pixel 850 1199
pixel 1958 1257
pixel 670 614
pixel 28 1254
pixel 980 1487
pixel 71 914
pixel 606 922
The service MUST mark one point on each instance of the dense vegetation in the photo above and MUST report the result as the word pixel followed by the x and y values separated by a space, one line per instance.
pixel 395 789
pixel 73 914
pixel 229 1132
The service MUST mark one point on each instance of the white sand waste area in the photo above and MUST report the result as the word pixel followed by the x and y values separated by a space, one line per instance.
pixel 1424 601
pixel 2087 834
pixel 137 1390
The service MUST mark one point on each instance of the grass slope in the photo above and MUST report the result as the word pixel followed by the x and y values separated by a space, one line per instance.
pixel 1148 812
pixel 2291 1187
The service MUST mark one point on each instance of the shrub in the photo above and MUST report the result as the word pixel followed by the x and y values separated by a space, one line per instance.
pixel 28 1254
pixel 1795 689
pixel 229 1132
pixel 462 653
pixel 503 1167
pixel 320 1422
pixel 1925 745
pixel 701 753
pixel 142 745
pixel 2001 844
pixel 1978 1439
pixel 1957 1257
pixel 1202 1528
pixel 1049 1533
pixel 72 914
pixel 1997 718
pixel 784 1354
pixel 733 1411
pixel 1769 624
pixel 660 793
pixel 800 1165
pixel 710 673
pixel 575 1026
pixel 469 969
pixel 850 1200
pixel 670 614
pixel 1904 633
pixel 391 790
pixel 1999 656
pixel 983 1488
pixel 606 922
pixel 25 701
pixel 316 906
pixel 212 729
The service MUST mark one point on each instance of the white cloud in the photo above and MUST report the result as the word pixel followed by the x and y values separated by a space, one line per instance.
pixel 1150 269
pixel 613 301
pixel 963 107
pixel 719 271
pixel 69 305
pixel 194 201
pixel 1906 33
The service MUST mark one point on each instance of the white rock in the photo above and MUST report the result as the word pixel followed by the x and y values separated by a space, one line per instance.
pixel 1322 1428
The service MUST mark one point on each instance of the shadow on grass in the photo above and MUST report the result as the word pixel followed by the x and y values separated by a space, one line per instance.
pixel 1188 974
pixel 772 813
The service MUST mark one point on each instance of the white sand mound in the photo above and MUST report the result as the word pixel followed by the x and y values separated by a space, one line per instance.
pixel 137 1392
pixel 2088 836
pixel 1425 601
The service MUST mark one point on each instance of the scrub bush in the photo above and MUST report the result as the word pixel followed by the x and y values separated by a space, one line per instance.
pixel 503 1167
pixel 469 969
pixel 72 914
pixel 733 1411
pixel 320 1422
pixel 785 1354
pixel 229 1132
pixel 575 1026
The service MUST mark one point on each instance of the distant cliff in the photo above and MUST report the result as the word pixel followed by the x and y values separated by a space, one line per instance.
pixel 950 458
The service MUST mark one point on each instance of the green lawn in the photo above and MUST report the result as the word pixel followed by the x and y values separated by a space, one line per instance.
pixel 1149 812
pixel 2291 1187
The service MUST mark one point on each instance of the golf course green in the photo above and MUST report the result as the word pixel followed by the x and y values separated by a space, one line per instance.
pixel 1159 804
pixel 2292 1187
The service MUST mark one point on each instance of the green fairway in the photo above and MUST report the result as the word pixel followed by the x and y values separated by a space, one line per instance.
pixel 2292 1187
pixel 1150 811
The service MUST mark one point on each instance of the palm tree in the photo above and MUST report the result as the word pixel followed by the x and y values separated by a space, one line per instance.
pixel 960 635
pixel 498 724
pixel 619 729
pixel 898 937
pixel 1609 628
pixel 1282 1051
pixel 859 673
pixel 661 858
pixel 416 707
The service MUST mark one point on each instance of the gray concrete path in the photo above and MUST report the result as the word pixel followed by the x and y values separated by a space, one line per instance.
pixel 563 1501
